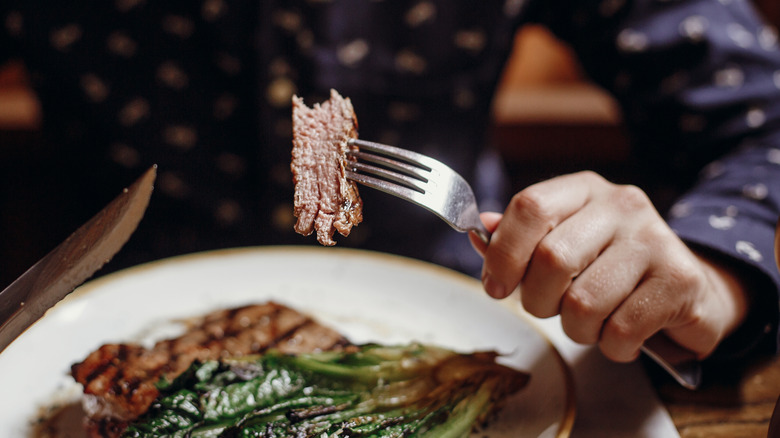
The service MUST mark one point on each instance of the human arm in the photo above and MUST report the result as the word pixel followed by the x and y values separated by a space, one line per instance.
pixel 698 83
pixel 601 256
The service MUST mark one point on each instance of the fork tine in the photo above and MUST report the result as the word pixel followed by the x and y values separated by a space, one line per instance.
pixel 407 169
pixel 406 181
pixel 423 161
pixel 417 178
pixel 385 186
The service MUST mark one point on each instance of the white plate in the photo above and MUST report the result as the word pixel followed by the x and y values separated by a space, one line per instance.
pixel 366 296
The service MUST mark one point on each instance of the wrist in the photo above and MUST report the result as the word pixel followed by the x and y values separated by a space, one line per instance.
pixel 730 294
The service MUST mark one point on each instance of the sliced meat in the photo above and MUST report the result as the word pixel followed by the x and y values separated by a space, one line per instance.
pixel 325 200
pixel 119 379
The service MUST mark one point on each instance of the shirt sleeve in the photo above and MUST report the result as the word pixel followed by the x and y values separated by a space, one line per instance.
pixel 698 82
pixel 731 213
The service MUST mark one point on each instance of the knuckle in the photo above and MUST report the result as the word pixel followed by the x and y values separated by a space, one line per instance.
pixel 654 233
pixel 579 323
pixel 654 239
pixel 556 255
pixel 621 333
pixel 695 316
pixel 579 305
pixel 591 176
pixel 630 198
pixel 681 276
pixel 620 342
pixel 531 201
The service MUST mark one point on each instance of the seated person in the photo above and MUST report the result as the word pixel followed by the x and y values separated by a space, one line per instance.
pixel 203 89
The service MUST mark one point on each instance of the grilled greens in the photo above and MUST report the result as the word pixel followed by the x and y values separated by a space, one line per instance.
pixel 367 391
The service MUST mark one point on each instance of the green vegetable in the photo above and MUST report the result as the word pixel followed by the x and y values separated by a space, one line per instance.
pixel 367 391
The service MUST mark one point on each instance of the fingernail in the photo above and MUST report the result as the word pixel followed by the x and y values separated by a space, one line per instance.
pixel 492 287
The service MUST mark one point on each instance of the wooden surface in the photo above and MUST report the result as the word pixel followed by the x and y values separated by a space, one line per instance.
pixel 737 404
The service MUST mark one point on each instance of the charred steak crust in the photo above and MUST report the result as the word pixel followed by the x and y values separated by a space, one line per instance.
pixel 120 379
pixel 325 200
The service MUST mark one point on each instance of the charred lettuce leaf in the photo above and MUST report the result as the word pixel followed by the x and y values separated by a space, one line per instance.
pixel 367 391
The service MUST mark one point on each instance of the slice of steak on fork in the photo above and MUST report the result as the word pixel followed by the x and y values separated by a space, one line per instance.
pixel 325 200
pixel 120 379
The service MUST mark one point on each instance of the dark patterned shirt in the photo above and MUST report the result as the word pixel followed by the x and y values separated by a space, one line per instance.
pixel 203 89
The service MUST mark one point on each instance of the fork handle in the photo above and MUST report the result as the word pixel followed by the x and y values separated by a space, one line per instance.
pixel 482 233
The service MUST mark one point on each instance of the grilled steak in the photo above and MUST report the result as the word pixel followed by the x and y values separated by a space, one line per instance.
pixel 325 200
pixel 119 379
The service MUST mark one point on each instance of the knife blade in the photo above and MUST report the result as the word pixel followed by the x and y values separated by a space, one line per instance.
pixel 73 261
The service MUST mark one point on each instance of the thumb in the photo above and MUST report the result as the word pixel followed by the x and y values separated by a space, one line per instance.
pixel 491 220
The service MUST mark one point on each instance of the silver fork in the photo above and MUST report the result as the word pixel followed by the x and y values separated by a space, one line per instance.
pixel 431 184
pixel 420 179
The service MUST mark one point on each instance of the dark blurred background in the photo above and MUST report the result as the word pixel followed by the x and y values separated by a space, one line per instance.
pixel 544 110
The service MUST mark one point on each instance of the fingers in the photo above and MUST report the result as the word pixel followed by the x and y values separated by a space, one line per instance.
pixel 646 311
pixel 599 290
pixel 530 216
pixel 562 255
pixel 668 296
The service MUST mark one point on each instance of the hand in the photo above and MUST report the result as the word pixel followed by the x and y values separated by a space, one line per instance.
pixel 601 256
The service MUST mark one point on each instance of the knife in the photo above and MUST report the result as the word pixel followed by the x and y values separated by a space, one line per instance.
pixel 68 265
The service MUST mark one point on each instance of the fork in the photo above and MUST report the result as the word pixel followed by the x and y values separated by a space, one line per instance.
pixel 433 185
pixel 420 179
